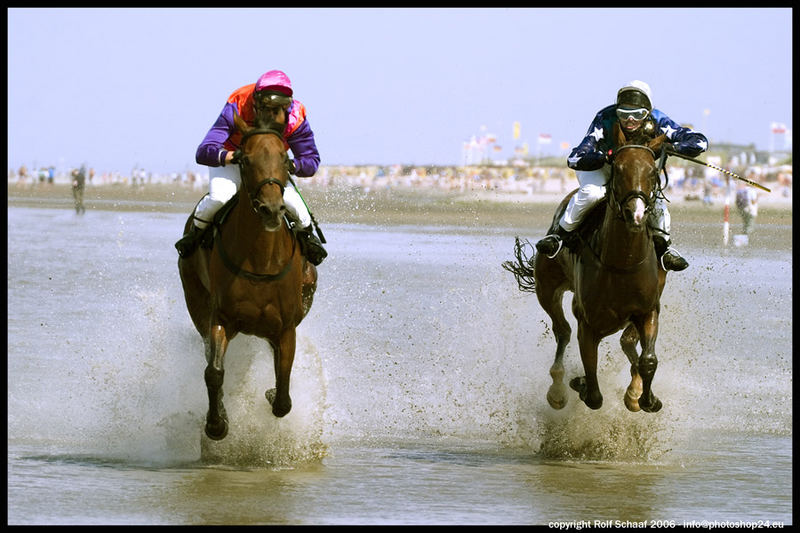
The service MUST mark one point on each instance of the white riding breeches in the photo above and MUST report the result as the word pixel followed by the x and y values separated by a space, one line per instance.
pixel 592 189
pixel 225 182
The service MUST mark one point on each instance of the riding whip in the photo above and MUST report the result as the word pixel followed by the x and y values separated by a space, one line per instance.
pixel 313 220
pixel 728 172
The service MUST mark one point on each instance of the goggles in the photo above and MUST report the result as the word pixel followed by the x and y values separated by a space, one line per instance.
pixel 635 114
pixel 270 99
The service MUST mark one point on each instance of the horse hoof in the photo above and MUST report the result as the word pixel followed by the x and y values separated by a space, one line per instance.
pixel 218 431
pixel 654 408
pixel 556 397
pixel 594 404
pixel 632 402
pixel 281 410
pixel 270 395
pixel 578 385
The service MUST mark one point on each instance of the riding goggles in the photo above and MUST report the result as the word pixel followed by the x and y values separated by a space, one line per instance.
pixel 635 114
pixel 270 99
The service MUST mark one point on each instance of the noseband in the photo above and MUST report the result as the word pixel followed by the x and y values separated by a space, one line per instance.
pixel 253 194
pixel 649 200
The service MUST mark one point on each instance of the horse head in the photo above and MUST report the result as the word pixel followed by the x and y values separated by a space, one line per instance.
pixel 263 168
pixel 634 177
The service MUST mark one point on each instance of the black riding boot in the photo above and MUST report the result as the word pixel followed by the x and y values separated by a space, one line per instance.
pixel 552 243
pixel 312 246
pixel 188 243
pixel 668 257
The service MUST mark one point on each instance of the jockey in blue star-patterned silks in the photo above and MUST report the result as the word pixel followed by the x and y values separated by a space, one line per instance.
pixel 635 113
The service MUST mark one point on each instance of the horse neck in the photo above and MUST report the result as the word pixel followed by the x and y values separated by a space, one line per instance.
pixel 620 247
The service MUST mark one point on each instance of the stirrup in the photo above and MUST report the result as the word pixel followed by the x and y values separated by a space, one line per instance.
pixel 187 244
pixel 311 246
pixel 676 252
pixel 560 244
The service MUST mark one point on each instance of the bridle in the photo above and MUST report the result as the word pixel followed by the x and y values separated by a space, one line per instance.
pixel 242 159
pixel 648 199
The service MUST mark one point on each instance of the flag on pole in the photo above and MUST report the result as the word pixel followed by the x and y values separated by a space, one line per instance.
pixel 517 128
pixel 545 138
pixel 564 145
pixel 778 127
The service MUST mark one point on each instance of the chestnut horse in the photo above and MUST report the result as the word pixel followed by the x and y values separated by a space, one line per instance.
pixel 614 275
pixel 253 279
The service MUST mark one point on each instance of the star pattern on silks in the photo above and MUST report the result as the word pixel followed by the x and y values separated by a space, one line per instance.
pixel 703 145
pixel 668 131
pixel 597 134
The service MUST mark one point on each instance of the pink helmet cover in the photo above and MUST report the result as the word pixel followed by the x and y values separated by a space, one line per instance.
pixel 275 80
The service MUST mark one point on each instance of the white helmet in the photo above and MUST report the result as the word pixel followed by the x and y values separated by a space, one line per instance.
pixel 635 94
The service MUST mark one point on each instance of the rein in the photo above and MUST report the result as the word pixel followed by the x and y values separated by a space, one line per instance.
pixel 252 276
pixel 649 201
pixel 252 194
pixel 226 260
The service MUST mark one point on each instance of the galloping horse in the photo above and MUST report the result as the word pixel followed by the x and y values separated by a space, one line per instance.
pixel 614 275
pixel 253 279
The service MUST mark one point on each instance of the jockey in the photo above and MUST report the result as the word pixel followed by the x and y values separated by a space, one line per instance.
pixel 217 151
pixel 635 113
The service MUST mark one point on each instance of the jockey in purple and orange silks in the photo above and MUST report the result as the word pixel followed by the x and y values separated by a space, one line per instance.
pixel 634 111
pixel 217 150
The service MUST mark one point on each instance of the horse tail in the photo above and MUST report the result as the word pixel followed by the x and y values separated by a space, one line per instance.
pixel 523 266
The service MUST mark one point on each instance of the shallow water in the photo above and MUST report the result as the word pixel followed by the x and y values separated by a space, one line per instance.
pixel 418 389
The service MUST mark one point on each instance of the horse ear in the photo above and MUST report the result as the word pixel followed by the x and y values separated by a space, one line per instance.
pixel 655 144
pixel 618 135
pixel 241 125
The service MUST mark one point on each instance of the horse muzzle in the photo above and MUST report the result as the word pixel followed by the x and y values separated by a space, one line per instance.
pixel 271 215
pixel 635 214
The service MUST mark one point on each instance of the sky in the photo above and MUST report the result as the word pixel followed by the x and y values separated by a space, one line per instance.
pixel 124 88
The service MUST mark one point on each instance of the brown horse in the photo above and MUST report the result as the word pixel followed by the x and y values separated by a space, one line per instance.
pixel 253 279
pixel 614 275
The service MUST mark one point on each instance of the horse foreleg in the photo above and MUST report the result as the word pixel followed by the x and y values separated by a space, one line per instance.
pixel 284 358
pixel 587 386
pixel 551 303
pixel 217 418
pixel 648 331
pixel 628 342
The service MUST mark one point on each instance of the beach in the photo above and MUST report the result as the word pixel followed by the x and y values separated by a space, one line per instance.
pixel 401 206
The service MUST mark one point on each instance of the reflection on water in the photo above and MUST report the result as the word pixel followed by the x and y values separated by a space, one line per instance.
pixel 418 390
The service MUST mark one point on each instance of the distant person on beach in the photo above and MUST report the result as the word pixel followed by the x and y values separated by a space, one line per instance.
pixel 637 116
pixel 747 205
pixel 78 184
pixel 23 175
pixel 272 91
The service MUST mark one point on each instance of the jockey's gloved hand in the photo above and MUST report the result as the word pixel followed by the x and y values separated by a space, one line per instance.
pixel 290 166
pixel 237 157
pixel 686 149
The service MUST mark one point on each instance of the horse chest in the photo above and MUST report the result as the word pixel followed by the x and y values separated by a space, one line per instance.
pixel 607 302
pixel 257 314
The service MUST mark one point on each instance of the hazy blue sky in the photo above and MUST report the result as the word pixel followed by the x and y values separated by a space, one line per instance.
pixel 121 87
